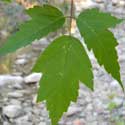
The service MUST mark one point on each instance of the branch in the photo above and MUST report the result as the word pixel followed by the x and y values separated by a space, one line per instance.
pixel 71 15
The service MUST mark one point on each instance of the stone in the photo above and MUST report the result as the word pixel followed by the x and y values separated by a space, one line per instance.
pixel 114 84
pixel 121 58
pixel 78 122
pixel 21 62
pixel 33 78
pixel 121 3
pixel 6 123
pixel 99 1
pixel 18 86
pixel 84 4
pixel 23 123
pixel 15 102
pixel 8 79
pixel 114 2
pixel 13 111
pixel 89 107
pixel 118 101
pixel 42 123
pixel 34 101
pixel 22 118
pixel 15 95
pixel 73 111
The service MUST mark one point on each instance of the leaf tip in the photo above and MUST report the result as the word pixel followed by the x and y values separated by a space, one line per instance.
pixel 122 86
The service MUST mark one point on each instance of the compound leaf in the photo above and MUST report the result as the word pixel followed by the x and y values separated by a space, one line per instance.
pixel 62 64
pixel 44 19
pixel 93 26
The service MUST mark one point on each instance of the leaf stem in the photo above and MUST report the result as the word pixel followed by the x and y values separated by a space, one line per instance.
pixel 71 15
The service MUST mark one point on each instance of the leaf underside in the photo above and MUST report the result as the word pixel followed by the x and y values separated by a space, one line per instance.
pixel 63 64
pixel 44 19
pixel 93 26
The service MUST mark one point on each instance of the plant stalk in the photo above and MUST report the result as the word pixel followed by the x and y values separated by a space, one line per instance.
pixel 71 15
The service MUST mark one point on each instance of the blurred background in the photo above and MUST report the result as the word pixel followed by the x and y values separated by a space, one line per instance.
pixel 18 86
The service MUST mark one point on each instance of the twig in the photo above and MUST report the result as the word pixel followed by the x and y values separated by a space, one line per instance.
pixel 71 15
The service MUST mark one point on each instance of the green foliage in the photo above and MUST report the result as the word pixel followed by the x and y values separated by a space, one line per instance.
pixel 64 63
pixel 44 20
pixel 93 26
pixel 6 0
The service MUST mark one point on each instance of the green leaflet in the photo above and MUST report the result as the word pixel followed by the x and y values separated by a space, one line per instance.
pixel 62 64
pixel 93 26
pixel 44 20
pixel 6 0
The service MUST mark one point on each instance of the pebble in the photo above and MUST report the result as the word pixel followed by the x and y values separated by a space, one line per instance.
pixel 15 95
pixel 8 79
pixel 114 84
pixel 18 86
pixel 114 2
pixel 33 78
pixel 118 101
pixel 121 3
pixel 73 111
pixel 6 123
pixel 99 1
pixel 89 107
pixel 15 102
pixel 23 123
pixel 21 62
pixel 42 123
pixel 22 118
pixel 13 111
pixel 79 122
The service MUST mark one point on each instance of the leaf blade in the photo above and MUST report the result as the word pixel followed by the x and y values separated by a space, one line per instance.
pixel 39 26
pixel 93 26
pixel 63 64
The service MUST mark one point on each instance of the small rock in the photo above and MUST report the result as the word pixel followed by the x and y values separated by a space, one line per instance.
pixel 17 86
pixel 23 123
pixel 6 123
pixel 89 107
pixel 121 3
pixel 15 95
pixel 78 122
pixel 13 111
pixel 118 101
pixel 23 118
pixel 14 102
pixel 73 111
pixel 34 101
pixel 42 123
pixel 33 78
pixel 8 79
pixel 114 2
pixel 114 83
pixel 84 4
pixel 21 62
pixel 99 1
pixel 121 58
